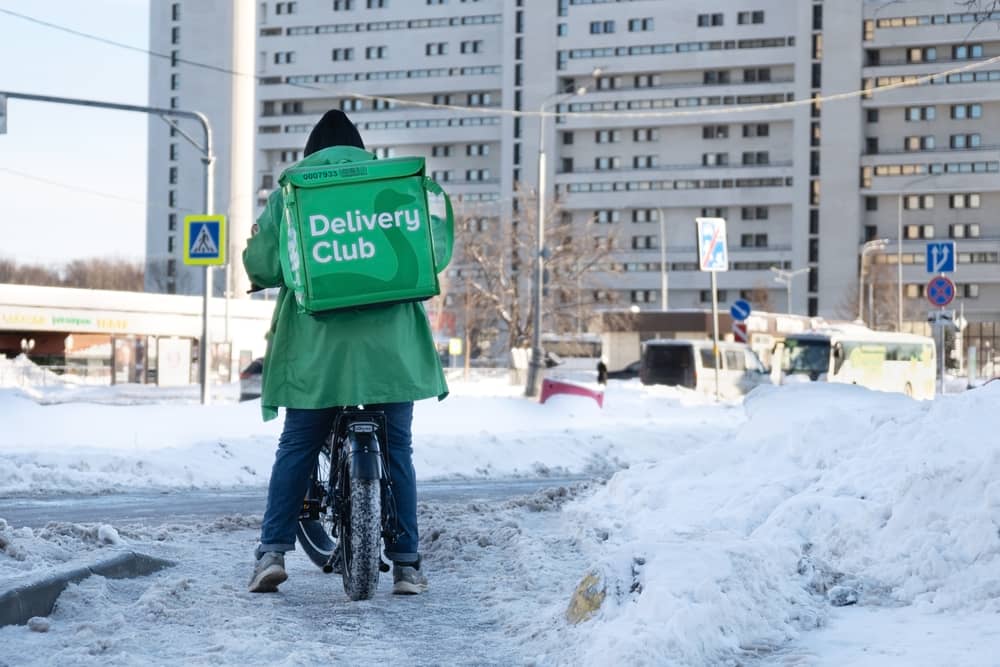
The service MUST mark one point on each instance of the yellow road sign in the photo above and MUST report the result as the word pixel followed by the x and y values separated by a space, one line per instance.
pixel 204 240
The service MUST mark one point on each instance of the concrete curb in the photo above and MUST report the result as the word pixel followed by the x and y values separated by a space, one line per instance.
pixel 38 598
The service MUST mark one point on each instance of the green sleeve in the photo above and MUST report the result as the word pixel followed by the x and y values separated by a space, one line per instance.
pixel 260 258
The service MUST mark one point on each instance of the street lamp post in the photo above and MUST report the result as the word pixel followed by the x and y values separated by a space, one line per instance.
pixel 535 365
pixel 785 277
pixel 870 246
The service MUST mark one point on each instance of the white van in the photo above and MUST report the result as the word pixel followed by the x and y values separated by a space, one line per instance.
pixel 691 364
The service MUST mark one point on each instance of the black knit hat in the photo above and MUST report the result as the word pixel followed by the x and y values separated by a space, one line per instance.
pixel 333 129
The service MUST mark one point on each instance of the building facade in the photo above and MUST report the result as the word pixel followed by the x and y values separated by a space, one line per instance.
pixel 698 109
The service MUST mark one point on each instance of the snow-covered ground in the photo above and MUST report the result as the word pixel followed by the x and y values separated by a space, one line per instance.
pixel 808 524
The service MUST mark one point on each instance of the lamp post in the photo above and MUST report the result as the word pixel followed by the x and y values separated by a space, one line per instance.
pixel 784 277
pixel 535 365
pixel 899 248
pixel 870 246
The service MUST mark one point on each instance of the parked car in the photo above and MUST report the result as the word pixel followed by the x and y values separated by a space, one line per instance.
pixel 250 380
pixel 691 364
pixel 627 373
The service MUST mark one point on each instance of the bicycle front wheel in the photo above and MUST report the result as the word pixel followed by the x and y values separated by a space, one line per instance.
pixel 360 536
pixel 314 534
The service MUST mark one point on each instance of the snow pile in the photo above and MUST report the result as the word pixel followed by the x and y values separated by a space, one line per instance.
pixel 828 495
pixel 25 552
pixel 22 372
pixel 107 441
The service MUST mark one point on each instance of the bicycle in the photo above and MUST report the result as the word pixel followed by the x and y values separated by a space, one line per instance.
pixel 349 507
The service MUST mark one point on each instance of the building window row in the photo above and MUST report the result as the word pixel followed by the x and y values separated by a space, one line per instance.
pixel 933 168
pixel 379 26
pixel 919 258
pixel 679 47
pixel 913 202
pixel 933 19
pixel 675 102
pixel 679 184
pixel 383 75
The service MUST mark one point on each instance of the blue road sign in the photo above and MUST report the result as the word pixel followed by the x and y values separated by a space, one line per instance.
pixel 712 253
pixel 940 291
pixel 204 240
pixel 941 257
pixel 740 310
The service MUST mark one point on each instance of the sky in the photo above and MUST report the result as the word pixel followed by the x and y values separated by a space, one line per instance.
pixel 78 153
pixel 808 524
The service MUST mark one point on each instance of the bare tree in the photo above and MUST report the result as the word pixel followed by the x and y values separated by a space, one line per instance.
pixel 494 261
pixel 112 274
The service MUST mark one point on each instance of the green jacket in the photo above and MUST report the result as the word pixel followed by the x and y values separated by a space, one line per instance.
pixel 378 354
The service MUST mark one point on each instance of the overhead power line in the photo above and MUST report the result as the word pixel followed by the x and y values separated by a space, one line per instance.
pixel 700 111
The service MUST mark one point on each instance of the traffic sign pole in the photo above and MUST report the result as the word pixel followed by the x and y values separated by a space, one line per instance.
pixel 715 332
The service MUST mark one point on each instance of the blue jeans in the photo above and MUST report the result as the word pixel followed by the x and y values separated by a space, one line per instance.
pixel 298 447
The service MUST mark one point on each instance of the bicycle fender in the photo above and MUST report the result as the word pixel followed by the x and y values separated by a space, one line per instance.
pixel 366 459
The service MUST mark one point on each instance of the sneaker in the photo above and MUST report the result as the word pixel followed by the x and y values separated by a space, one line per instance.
pixel 407 579
pixel 268 573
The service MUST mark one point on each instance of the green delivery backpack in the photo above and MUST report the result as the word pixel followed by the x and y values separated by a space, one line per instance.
pixel 358 232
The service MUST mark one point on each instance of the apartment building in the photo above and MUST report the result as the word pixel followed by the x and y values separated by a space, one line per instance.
pixel 700 109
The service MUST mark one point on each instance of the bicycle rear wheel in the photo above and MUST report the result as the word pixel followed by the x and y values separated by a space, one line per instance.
pixel 314 535
pixel 360 535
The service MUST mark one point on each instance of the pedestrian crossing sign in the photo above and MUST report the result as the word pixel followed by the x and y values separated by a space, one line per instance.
pixel 204 240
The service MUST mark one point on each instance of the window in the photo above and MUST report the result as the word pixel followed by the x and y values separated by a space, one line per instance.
pixel 175 35
pixel 442 176
pixel 567 165
pixel 746 18
pixel 705 296
pixel 646 80
pixel 171 222
pixel 644 162
pixel 471 46
pixel 754 213
pixel 284 57
pixel 173 151
pixel 920 55
pixel 606 136
pixel 343 5
pixel 914 202
pixel 376 52
pixel 924 143
pixel 172 198
pixel 757 75
pixel 377 4
pixel 713 76
pixel 643 135
pixel 964 230
pixel 756 157
pixel 175 11
pixel 602 27
pixel 709 20
pixel 441 151
pixel 966 51
pixel 477 174
pixel 872 116
pixel 172 175
pixel 343 54
pixel 567 138
pixel 715 132
pixel 756 130
pixel 920 113
pixel 477 149
pixel 644 242
pixel 441 99
pixel 352 104
pixel 714 212
pixel 605 163
pixel 285 7
pixel 970 290
pixel 640 25
pixel 871 203
pixel 913 232
pixel 606 216
pixel 436 49
pixel 479 99
pixel 966 111
pixel 714 159
pixel 644 215
pixel 963 201
pixel 562 30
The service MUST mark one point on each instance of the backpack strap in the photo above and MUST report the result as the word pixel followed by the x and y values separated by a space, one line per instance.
pixel 442 231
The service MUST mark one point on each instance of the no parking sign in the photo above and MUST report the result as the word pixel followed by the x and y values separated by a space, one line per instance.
pixel 940 291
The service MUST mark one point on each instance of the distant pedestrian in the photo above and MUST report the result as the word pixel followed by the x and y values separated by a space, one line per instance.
pixel 602 372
